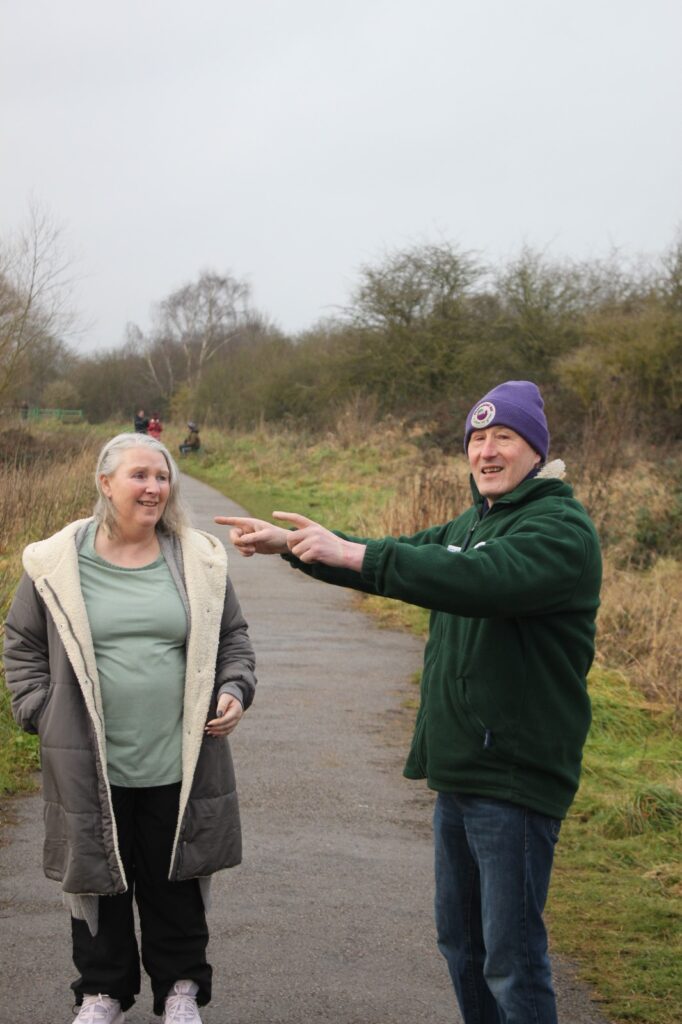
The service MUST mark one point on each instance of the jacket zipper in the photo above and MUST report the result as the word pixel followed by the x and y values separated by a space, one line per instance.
pixel 488 738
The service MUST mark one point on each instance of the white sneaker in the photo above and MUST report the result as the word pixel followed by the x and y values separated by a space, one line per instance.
pixel 181 1004
pixel 99 1010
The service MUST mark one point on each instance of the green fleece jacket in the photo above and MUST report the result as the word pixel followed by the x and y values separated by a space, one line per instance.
pixel 514 593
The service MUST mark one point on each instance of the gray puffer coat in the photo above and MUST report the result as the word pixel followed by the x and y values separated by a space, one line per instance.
pixel 51 672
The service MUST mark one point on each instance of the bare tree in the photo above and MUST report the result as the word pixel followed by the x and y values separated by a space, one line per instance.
pixel 192 325
pixel 162 359
pixel 35 293
pixel 414 285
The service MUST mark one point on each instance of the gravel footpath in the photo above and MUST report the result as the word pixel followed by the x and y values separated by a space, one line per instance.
pixel 329 918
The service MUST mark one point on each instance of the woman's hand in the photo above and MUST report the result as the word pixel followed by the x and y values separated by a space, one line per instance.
pixel 255 536
pixel 229 712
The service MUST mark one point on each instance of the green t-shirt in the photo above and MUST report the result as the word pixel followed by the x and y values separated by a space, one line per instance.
pixel 139 629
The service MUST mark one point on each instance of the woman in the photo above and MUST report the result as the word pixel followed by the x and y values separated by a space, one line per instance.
pixel 126 651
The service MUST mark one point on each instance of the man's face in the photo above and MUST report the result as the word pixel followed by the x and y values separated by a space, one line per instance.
pixel 500 459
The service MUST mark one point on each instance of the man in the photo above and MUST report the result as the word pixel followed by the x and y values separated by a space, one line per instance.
pixel 513 586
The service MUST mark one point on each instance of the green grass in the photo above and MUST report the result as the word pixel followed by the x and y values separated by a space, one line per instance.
pixel 19 756
pixel 342 487
pixel 615 898
pixel 614 906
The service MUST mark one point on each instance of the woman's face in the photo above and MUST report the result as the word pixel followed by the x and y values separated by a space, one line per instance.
pixel 138 488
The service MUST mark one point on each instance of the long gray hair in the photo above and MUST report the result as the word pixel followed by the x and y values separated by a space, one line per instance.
pixel 174 518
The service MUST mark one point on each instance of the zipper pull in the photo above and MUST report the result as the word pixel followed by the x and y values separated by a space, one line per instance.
pixel 488 740
pixel 467 540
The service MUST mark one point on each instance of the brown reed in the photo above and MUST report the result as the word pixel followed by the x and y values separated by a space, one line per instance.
pixel 426 497
pixel 45 482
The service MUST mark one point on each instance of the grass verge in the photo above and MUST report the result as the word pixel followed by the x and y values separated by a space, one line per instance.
pixel 265 472
pixel 615 897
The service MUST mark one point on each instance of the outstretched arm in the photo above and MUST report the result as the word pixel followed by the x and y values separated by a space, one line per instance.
pixel 310 541
pixel 255 536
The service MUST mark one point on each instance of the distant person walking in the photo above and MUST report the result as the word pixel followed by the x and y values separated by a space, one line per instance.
pixel 141 422
pixel 127 653
pixel 155 427
pixel 192 442
pixel 513 589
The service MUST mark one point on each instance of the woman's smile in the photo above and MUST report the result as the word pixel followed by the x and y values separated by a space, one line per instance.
pixel 138 488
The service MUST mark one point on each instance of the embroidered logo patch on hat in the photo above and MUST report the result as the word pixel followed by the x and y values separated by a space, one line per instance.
pixel 483 415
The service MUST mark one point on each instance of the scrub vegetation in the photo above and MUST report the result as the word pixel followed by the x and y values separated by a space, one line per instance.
pixel 422 330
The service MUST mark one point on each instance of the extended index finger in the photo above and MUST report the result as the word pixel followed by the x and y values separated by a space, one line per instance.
pixel 295 518
pixel 232 520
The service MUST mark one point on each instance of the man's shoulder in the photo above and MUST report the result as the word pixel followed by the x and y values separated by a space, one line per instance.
pixel 559 512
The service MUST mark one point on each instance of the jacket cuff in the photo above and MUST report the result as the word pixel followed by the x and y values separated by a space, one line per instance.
pixel 370 563
pixel 234 690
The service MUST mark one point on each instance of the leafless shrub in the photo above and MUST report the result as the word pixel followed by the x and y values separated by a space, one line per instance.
pixel 355 420
pixel 35 294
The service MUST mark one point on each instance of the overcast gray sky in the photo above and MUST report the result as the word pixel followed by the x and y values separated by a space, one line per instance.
pixel 291 141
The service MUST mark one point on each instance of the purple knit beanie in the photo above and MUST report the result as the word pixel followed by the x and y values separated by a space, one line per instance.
pixel 517 404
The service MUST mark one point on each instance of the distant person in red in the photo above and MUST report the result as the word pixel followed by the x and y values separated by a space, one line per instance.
pixel 155 426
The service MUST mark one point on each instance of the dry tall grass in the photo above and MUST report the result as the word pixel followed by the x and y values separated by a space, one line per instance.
pixel 430 495
pixel 640 628
pixel 46 480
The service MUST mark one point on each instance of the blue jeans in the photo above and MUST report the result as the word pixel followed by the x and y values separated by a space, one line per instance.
pixel 493 864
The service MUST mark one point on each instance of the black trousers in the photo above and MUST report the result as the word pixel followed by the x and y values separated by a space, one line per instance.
pixel 173 926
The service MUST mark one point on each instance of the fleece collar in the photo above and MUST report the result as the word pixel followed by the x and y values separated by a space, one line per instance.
pixel 551 473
